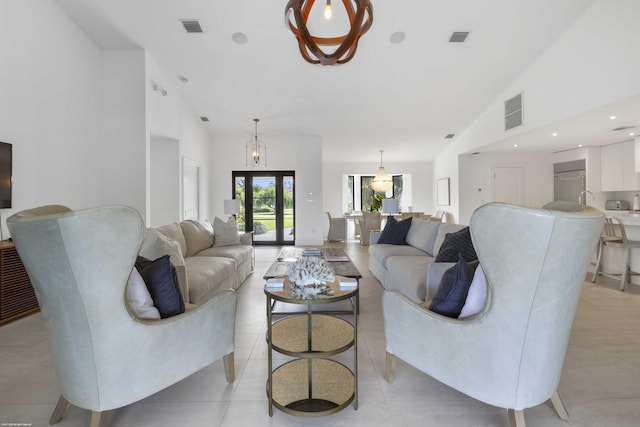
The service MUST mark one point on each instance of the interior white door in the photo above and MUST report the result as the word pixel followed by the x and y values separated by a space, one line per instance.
pixel 190 189
pixel 510 185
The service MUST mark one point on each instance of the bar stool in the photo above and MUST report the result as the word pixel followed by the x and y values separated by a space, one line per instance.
pixel 614 235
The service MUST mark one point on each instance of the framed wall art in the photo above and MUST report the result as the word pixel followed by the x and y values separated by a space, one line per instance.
pixel 443 192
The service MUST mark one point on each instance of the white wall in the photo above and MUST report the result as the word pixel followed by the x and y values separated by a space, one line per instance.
pixel 476 181
pixel 123 132
pixel 50 107
pixel 593 64
pixel 165 181
pixel 79 117
pixel 169 117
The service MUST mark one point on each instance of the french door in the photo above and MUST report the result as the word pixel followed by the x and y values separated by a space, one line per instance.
pixel 267 205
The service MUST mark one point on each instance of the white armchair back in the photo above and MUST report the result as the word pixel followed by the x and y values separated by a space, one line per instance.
pixel 105 358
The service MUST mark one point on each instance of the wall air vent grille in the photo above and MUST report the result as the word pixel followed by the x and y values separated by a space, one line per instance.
pixel 191 25
pixel 513 112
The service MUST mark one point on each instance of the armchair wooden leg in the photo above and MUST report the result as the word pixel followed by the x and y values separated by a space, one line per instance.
pixel 229 367
pixel 559 406
pixel 59 411
pixel 516 418
pixel 390 367
pixel 99 419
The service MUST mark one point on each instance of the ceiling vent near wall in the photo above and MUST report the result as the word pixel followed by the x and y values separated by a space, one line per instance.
pixel 204 118
pixel 513 114
pixel 458 37
pixel 191 25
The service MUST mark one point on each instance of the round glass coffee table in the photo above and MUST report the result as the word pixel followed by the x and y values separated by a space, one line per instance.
pixel 312 384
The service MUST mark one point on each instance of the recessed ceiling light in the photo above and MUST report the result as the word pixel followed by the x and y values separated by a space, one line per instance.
pixel 579 145
pixel 515 145
pixel 554 134
pixel 397 37
pixel 631 133
pixel 239 38
pixel 612 118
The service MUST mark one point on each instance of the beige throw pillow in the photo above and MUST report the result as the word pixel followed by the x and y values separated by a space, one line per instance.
pixel 198 234
pixel 225 233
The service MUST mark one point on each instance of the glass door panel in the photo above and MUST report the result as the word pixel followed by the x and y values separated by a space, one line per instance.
pixel 267 205
pixel 288 208
pixel 264 208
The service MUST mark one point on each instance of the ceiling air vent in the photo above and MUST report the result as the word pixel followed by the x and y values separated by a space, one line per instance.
pixel 204 118
pixel 513 114
pixel 191 25
pixel 624 127
pixel 449 136
pixel 458 37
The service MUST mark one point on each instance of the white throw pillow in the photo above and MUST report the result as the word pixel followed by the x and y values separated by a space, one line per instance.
pixel 225 233
pixel 139 298
pixel 477 296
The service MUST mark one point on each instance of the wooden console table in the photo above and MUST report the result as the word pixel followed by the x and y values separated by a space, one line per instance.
pixel 17 298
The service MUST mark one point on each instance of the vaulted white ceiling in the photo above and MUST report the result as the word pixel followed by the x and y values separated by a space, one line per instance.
pixel 403 98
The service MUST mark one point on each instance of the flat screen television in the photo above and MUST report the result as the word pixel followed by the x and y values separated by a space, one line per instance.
pixel 6 161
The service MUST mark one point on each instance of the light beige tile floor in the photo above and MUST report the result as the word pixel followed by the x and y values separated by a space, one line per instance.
pixel 600 382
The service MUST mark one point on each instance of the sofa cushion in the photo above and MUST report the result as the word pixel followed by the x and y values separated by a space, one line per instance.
pixel 198 235
pixel 381 252
pixel 408 275
pixel 139 299
pixel 174 232
pixel 225 233
pixel 422 234
pixel 443 230
pixel 207 273
pixel 161 280
pixel 455 245
pixel 477 295
pixel 395 233
pixel 240 253
pixel 453 290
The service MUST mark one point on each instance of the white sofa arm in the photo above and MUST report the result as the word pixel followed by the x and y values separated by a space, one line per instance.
pixel 246 238
pixel 374 236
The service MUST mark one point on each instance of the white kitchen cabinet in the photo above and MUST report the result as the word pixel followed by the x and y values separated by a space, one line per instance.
pixel 618 171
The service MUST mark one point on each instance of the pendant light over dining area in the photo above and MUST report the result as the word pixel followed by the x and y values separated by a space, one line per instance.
pixel 382 182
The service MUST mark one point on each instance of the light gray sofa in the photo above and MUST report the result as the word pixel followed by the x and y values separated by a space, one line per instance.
pixel 203 268
pixel 404 267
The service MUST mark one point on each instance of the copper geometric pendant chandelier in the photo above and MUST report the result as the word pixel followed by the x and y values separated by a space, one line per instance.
pixel 360 15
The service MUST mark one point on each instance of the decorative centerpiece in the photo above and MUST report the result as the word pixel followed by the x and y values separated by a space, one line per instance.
pixel 308 277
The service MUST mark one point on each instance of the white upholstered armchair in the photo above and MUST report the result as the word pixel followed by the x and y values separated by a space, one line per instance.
pixel 104 356
pixel 511 354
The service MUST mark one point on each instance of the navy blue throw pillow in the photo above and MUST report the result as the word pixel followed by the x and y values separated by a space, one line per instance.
pixel 455 244
pixel 395 233
pixel 453 289
pixel 162 281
